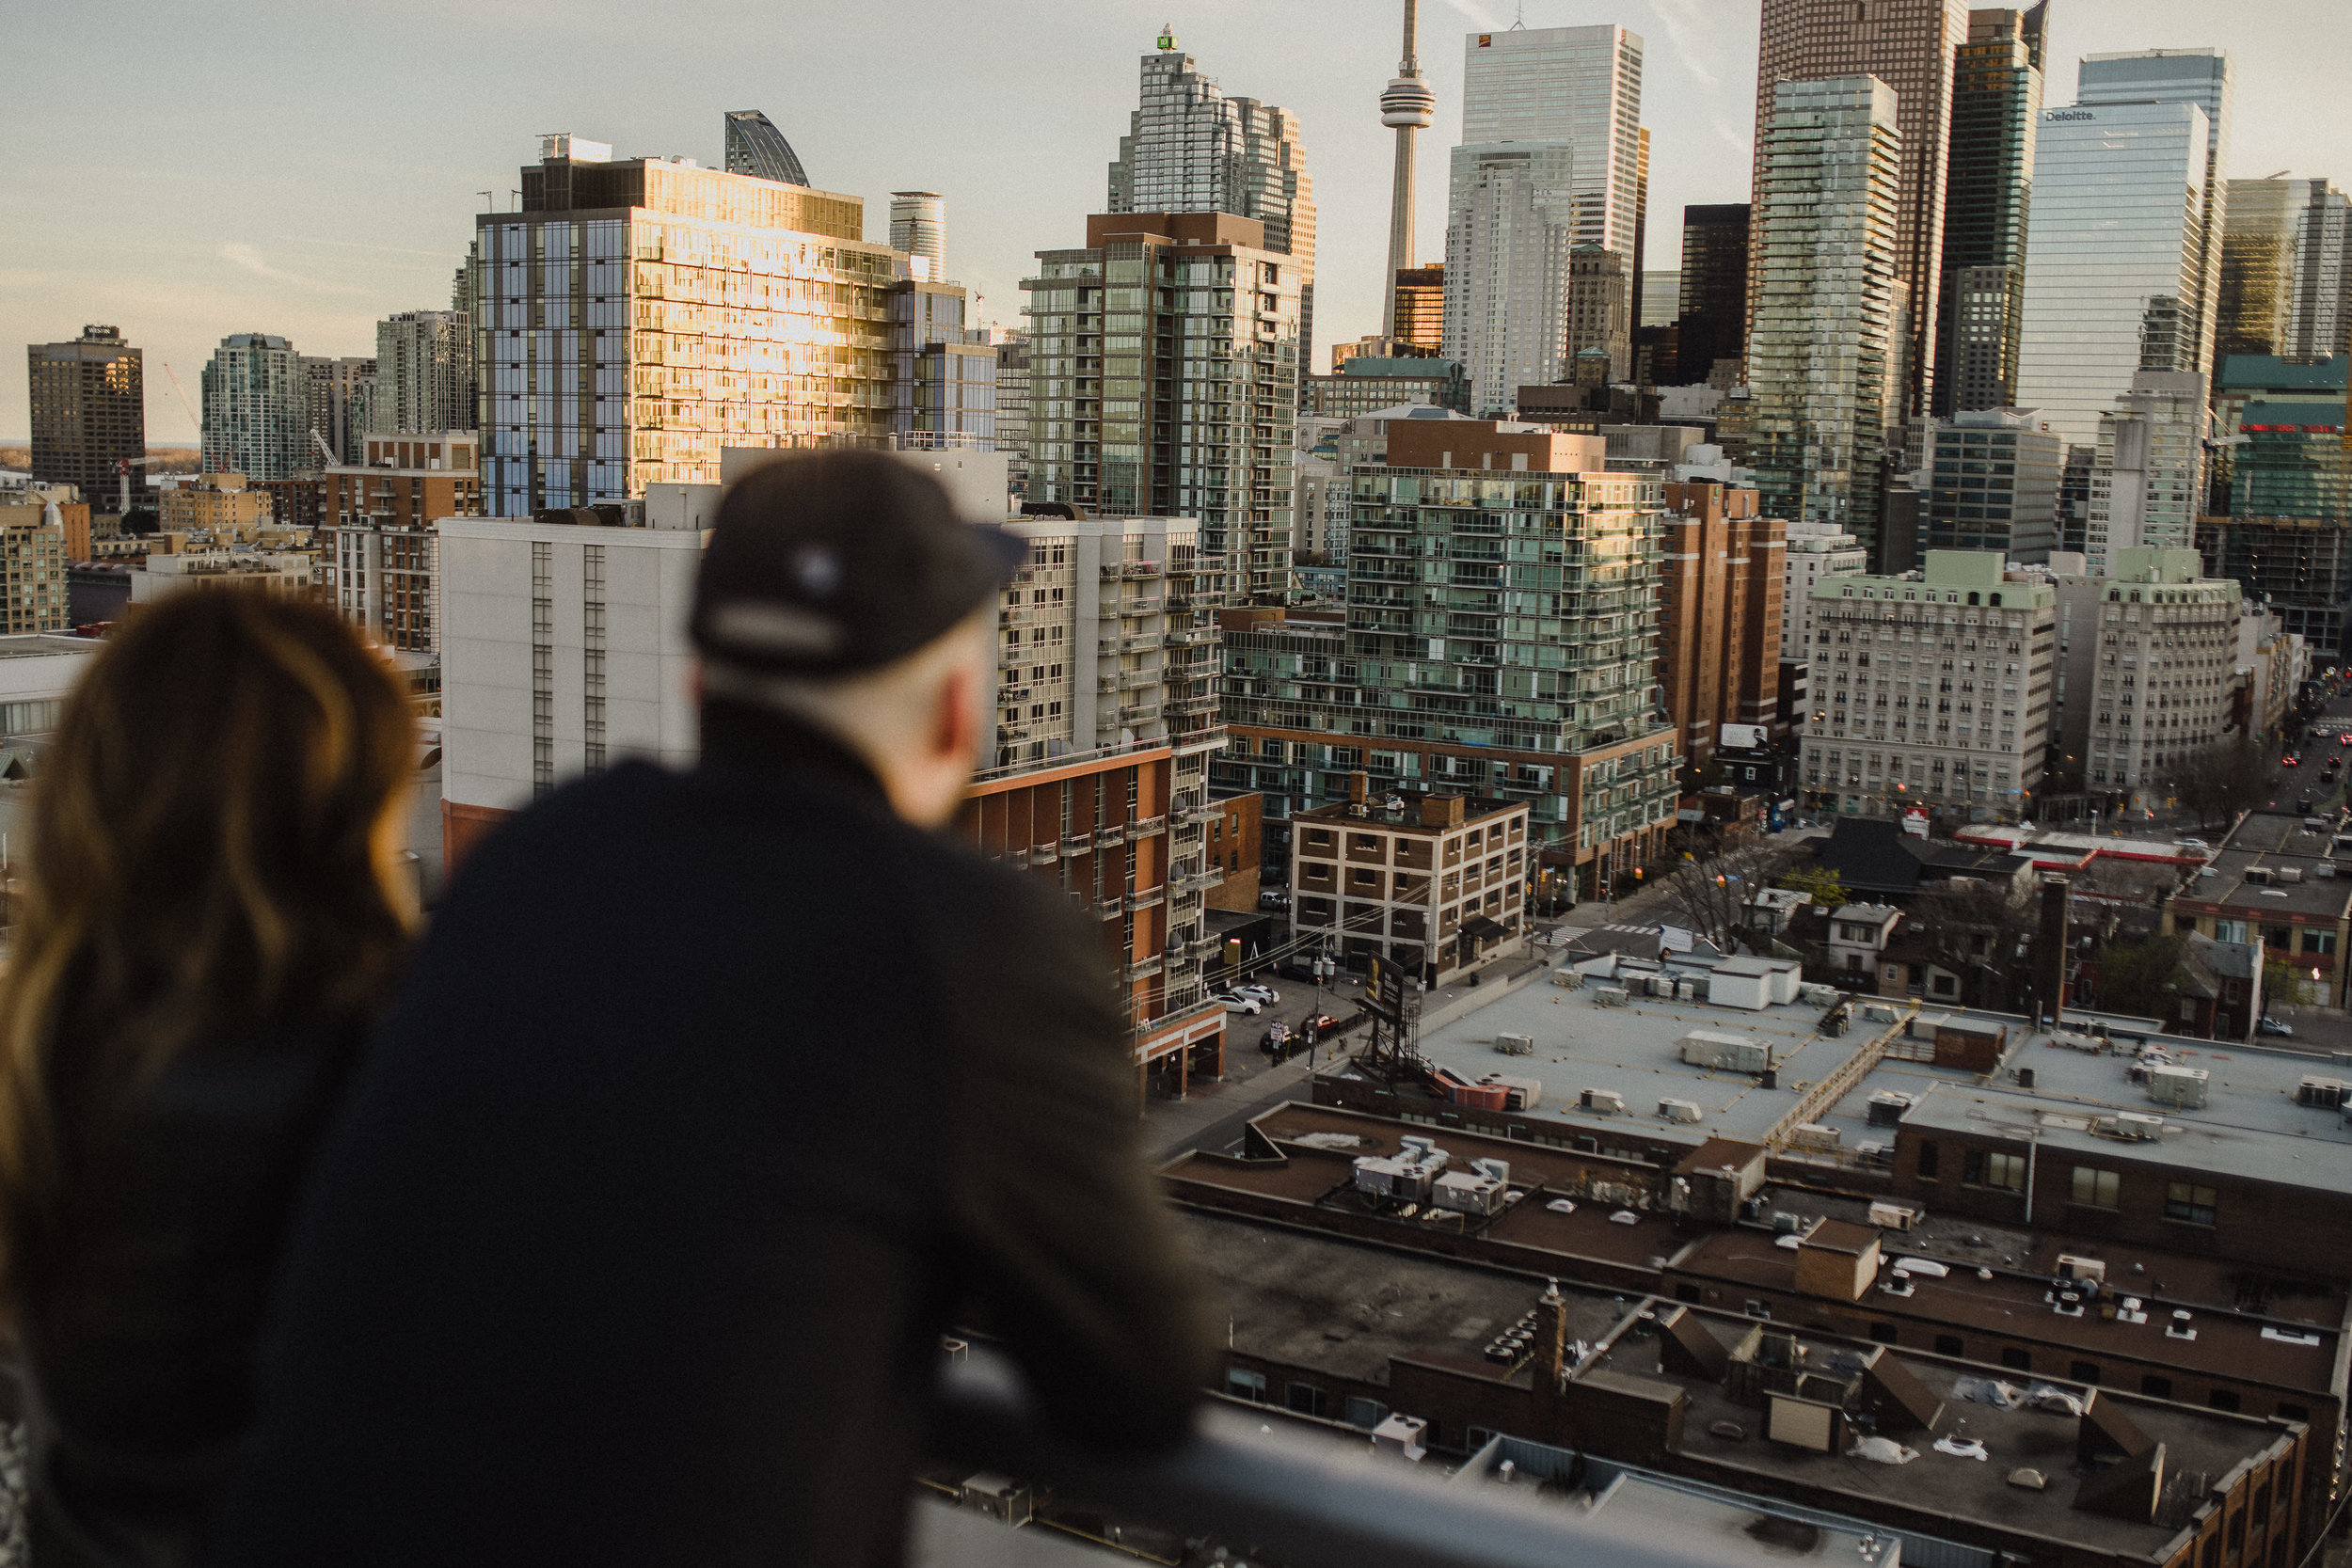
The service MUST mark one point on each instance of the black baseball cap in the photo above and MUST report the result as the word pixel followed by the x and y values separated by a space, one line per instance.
pixel 830 562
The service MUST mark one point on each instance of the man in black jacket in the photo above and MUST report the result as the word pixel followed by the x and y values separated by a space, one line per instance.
pixel 713 1099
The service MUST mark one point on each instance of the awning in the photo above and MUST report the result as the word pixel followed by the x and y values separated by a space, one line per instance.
pixel 1478 925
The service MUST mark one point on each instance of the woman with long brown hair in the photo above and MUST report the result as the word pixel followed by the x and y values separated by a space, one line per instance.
pixel 212 915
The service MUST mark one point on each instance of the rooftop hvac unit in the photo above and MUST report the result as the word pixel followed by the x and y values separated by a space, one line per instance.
pixel 1887 1107
pixel 1516 1045
pixel 2262 874
pixel 1567 979
pixel 1608 1102
pixel 1465 1193
pixel 1893 1216
pixel 2184 1086
pixel 2138 1128
pixel 1679 1110
pixel 1610 996
pixel 1519 1094
pixel 2072 1267
pixel 1662 985
pixel 2325 1093
pixel 1812 1135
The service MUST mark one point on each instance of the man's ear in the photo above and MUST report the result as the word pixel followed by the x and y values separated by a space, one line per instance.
pixel 955 716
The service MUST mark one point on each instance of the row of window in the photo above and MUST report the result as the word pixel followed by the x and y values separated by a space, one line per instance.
pixel 2089 1186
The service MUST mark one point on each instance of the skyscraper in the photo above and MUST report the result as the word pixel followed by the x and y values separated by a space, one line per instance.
pixel 2319 306
pixel 341 408
pixel 1600 312
pixel 757 148
pixel 1580 86
pixel 257 409
pixel 2114 233
pixel 88 413
pixel 2199 76
pixel 1407 106
pixel 1714 291
pixel 424 374
pixel 1996 107
pixel 1163 365
pixel 1823 353
pixel 1911 45
pixel 1418 297
pixel 1190 148
pixel 2257 268
pixel 918 226
pixel 1509 228
pixel 774 318
pixel 2148 481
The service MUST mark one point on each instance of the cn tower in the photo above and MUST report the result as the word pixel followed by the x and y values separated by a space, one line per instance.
pixel 1407 104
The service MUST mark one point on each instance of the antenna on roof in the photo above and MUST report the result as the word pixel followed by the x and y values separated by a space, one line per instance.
pixel 1518 23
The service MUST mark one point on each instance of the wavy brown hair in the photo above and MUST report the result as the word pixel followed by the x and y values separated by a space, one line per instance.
pixel 202 865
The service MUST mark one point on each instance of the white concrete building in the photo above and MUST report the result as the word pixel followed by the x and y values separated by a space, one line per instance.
pixel 563 650
pixel 2148 652
pixel 1931 690
pixel 1815 550
pixel 286 572
pixel 2148 481
pixel 1582 85
pixel 1510 226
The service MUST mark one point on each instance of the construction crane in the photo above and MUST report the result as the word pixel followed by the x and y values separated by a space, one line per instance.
pixel 184 404
pixel 122 482
pixel 325 451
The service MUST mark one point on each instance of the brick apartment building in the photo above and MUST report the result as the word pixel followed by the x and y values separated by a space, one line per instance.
pixel 383 557
pixel 1442 889
pixel 1719 613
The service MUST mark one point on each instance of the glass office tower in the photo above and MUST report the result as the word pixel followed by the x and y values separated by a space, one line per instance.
pixel 1823 354
pixel 1714 321
pixel 2257 268
pixel 257 409
pixel 1581 85
pixel 89 412
pixel 1997 106
pixel 757 148
pixel 2118 216
pixel 2199 76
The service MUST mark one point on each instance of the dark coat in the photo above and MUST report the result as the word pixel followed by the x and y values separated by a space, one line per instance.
pixel 711 1098
pixel 140 1303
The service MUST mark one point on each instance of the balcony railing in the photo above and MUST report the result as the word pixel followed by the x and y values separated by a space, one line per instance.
pixel 1298 1498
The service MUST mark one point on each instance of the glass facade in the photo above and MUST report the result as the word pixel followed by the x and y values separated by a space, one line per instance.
pixel 2199 76
pixel 1996 107
pixel 1190 148
pixel 1163 382
pixel 635 317
pixel 424 379
pixel 2117 205
pixel 1713 324
pixel 1829 310
pixel 757 148
pixel 2257 268
pixel 1995 483
pixel 1579 86
pixel 257 409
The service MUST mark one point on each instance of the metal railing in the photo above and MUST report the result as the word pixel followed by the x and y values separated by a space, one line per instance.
pixel 1308 1500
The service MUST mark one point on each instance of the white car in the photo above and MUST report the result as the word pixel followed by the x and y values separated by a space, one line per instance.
pixel 2190 844
pixel 1248 1005
pixel 1266 994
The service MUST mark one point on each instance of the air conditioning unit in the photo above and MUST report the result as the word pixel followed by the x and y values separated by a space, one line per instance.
pixel 2072 1267
pixel 1679 1110
pixel 1893 1216
pixel 2323 1093
pixel 2137 1128
pixel 1607 1102
pixel 1516 1045
pixel 1813 1134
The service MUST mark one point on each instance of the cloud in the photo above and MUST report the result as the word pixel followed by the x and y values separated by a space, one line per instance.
pixel 251 261
pixel 1477 13
pixel 1680 18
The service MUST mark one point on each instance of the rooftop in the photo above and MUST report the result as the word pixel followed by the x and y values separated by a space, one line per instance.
pixel 1346 1308
pixel 2199 1447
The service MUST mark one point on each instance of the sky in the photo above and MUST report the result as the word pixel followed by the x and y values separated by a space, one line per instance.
pixel 305 170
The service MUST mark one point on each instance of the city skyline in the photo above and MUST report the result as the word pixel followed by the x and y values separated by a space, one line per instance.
pixel 319 242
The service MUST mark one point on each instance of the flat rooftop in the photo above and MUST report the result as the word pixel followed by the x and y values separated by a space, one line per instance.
pixel 1631 1049
pixel 1345 1308
pixel 1310 1173
pixel 2199 1446
pixel 2014 1303
pixel 48 645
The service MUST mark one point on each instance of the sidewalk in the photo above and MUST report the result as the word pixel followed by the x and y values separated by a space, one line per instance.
pixel 1210 1116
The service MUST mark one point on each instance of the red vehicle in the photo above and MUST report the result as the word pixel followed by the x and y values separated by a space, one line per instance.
pixel 2290 760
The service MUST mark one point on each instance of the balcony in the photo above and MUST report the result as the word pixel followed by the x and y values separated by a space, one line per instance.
pixel 1105 908
pixel 1044 854
pixel 1077 844
pixel 1188 811
pixel 1136 903
pixel 1132 679
pixel 1143 968
pixel 1138 713
pixel 1298 1497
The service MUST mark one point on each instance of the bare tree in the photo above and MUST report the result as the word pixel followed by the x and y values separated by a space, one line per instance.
pixel 1978 930
pixel 1711 893
pixel 2218 781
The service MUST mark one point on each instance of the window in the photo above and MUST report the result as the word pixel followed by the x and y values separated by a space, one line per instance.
pixel 2156 1387
pixel 1244 1385
pixel 1685 1290
pixel 2083 1372
pixel 2237 1532
pixel 2293 1412
pixel 2223 1399
pixel 2189 1203
pixel 1304 1398
pixel 1478 1439
pixel 1756 1308
pixel 1927 1164
pixel 1949 1344
pixel 2095 1188
pixel 1987 1169
pixel 1883 1333
pixel 2018 1358
pixel 1365 1413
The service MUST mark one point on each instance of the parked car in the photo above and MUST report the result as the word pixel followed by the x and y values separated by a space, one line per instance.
pixel 2303 805
pixel 1266 994
pixel 1276 1041
pixel 1320 1025
pixel 2290 760
pixel 2268 1025
pixel 1249 1006
pixel 2190 844
pixel 1274 898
